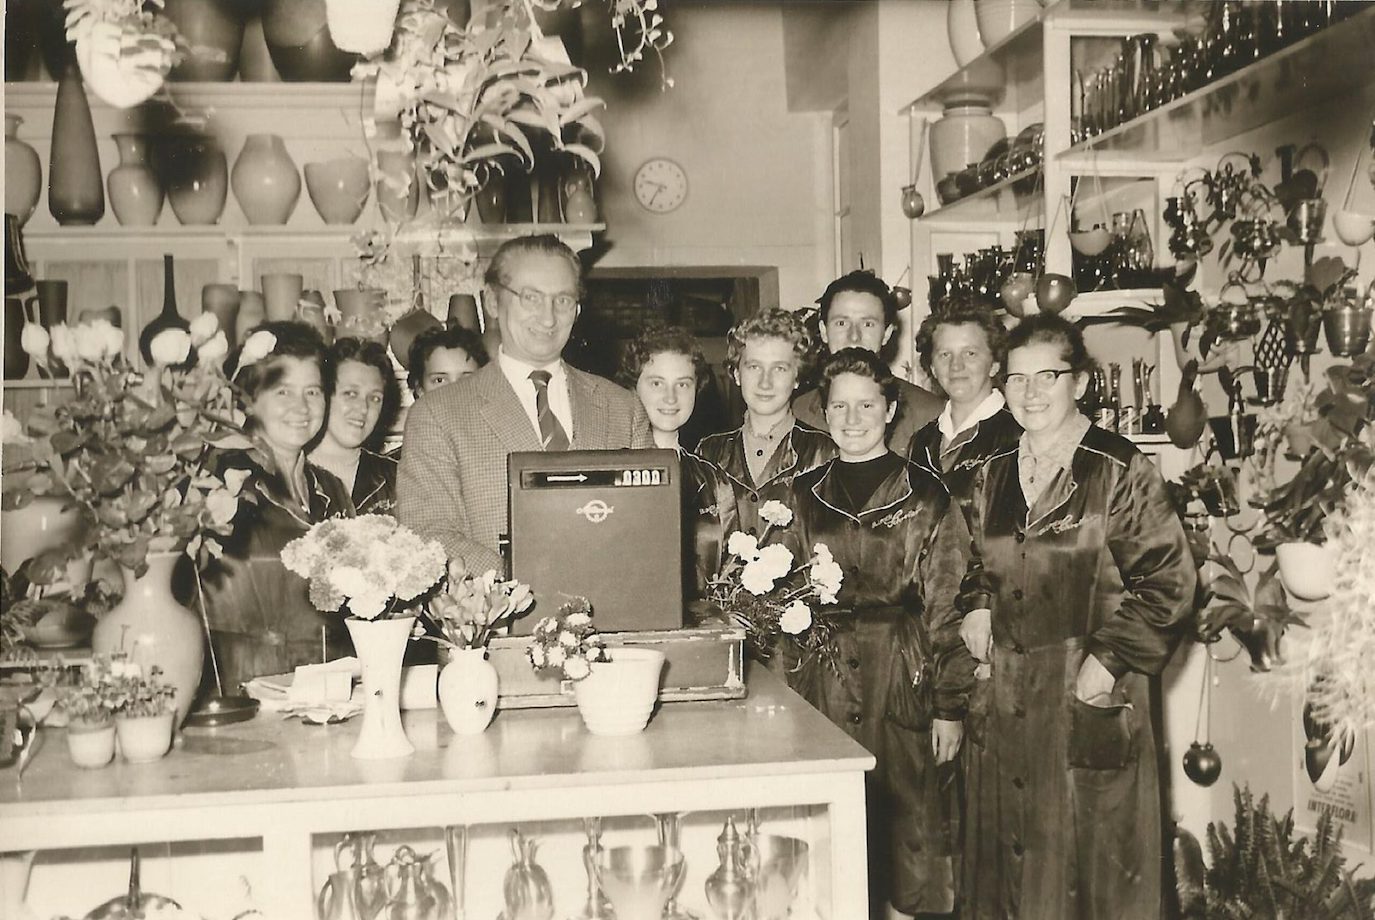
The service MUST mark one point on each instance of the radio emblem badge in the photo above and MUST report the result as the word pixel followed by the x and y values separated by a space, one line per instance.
pixel 596 510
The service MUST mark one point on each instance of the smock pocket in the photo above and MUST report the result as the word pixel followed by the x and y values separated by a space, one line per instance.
pixel 910 694
pixel 1100 737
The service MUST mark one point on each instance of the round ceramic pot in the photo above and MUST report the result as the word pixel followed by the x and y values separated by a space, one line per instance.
pixel 281 294
pixel 266 182
pixel 618 697
pixel 962 25
pixel 297 34
pixel 963 134
pixel 338 188
pixel 135 193
pixel 398 188
pixel 23 173
pixel 361 313
pixel 468 689
pixel 196 176
pixel 144 739
pixel 213 30
pixel 998 19
pixel 1347 329
pixel 91 746
pixel 41 525
pixel 1307 570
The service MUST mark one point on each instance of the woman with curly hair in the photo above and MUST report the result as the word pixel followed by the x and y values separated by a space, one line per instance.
pixel 766 355
pixel 963 348
pixel 665 367
pixel 362 405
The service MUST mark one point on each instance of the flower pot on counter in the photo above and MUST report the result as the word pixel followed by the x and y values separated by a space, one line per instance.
pixel 379 645
pixel 136 193
pixel 618 697
pixel 23 173
pixel 153 628
pixel 266 182
pixel 144 739
pixel 1307 569
pixel 91 746
pixel 468 688
pixel 963 134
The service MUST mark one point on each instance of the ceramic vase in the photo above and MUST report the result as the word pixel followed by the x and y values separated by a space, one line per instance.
pixel 196 177
pixel 16 358
pixel 214 31
pixel 963 134
pixel 281 294
pixel 265 180
pixel 76 186
pixel 1307 570
pixel 23 173
pixel 311 311
pixel 297 34
pixel 361 313
pixel 997 19
pixel 255 61
pixel 223 301
pixel 154 629
pixel 379 645
pixel 135 192
pixel 468 691
pixel 144 739
pixel 579 205
pixel 491 200
pixel 398 187
pixel 252 312
pixel 15 869
pixel 91 746
pixel 962 26
pixel 618 697
pixel 43 524
pixel 361 26
pixel 169 318
pixel 338 188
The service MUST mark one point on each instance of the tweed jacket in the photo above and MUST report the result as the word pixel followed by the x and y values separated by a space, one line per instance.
pixel 452 483
pixel 916 407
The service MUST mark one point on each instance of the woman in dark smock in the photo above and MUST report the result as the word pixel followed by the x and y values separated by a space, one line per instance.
pixel 903 674
pixel 963 349
pixel 261 618
pixel 666 369
pixel 1094 581
pixel 363 401
pixel 766 354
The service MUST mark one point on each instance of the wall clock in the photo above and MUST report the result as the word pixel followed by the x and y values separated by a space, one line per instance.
pixel 660 185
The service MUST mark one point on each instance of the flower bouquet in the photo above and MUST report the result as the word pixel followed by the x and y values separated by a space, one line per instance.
pixel 379 570
pixel 768 592
pixel 468 612
pixel 568 641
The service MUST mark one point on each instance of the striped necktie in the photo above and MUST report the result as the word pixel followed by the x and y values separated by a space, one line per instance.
pixel 551 433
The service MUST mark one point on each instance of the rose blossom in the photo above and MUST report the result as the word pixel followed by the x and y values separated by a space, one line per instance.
pixel 170 346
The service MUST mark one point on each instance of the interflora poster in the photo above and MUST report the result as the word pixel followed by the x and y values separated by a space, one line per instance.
pixel 1331 774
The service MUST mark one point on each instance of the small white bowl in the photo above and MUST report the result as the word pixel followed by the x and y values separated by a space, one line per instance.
pixel 1353 228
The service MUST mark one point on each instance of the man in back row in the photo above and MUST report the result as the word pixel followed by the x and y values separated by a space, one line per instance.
pixel 859 310
pixel 452 483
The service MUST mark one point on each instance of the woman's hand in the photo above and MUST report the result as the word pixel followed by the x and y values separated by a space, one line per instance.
pixel 946 735
pixel 1094 683
pixel 976 629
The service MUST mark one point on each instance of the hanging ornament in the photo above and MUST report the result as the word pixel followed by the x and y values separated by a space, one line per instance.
pixel 913 204
pixel 1203 764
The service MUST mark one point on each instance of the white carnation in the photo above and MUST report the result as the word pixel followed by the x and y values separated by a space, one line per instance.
pixel 796 617
pixel 203 327
pixel 34 341
pixel 214 349
pixel 743 545
pixel 776 513
pixel 64 343
pixel 170 346
pixel 258 346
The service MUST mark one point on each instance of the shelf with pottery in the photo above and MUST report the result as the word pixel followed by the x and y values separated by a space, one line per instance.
pixel 277 793
pixel 1325 65
pixel 40 239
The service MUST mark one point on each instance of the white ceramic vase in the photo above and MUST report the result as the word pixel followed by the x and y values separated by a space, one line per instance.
pixel 91 746
pixel 468 688
pixel 379 645
pixel 963 134
pixel 618 697
pixel 144 739
pixel 963 26
pixel 1307 569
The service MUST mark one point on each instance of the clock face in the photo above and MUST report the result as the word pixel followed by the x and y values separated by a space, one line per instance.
pixel 660 185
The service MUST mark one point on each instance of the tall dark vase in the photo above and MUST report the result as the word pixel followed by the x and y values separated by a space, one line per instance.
pixel 169 318
pixel 76 184
pixel 16 358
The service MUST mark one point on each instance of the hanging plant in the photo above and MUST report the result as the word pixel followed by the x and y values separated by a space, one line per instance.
pixel 125 48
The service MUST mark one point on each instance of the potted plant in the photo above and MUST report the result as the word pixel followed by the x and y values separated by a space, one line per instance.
pixel 380 571
pixel 615 688
pixel 90 705
pixel 468 612
pixel 125 48
pixel 135 453
pixel 144 705
pixel 1257 619
pixel 1259 869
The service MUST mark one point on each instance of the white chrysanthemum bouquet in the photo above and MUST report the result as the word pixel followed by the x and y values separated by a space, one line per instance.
pixel 763 588
pixel 376 566
pixel 567 641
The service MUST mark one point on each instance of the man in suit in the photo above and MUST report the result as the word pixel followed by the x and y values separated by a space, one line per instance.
pixel 452 482
pixel 859 310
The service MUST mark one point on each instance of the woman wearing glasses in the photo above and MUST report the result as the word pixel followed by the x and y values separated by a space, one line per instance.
pixel 1093 582
pixel 963 349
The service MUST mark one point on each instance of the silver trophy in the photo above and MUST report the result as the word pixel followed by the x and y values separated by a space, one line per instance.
pixel 639 880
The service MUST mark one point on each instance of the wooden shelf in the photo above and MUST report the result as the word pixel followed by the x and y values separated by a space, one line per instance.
pixel 342 233
pixel 998 202
pixel 37 384
pixel 1324 66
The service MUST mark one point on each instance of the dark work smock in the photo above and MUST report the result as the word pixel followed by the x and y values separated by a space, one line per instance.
pixel 958 461
pixel 261 618
pixel 374 484
pixel 1098 565
pixel 903 558
pixel 706 492
pixel 804 448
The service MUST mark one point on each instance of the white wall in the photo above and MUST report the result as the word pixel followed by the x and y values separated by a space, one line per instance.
pixel 759 182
